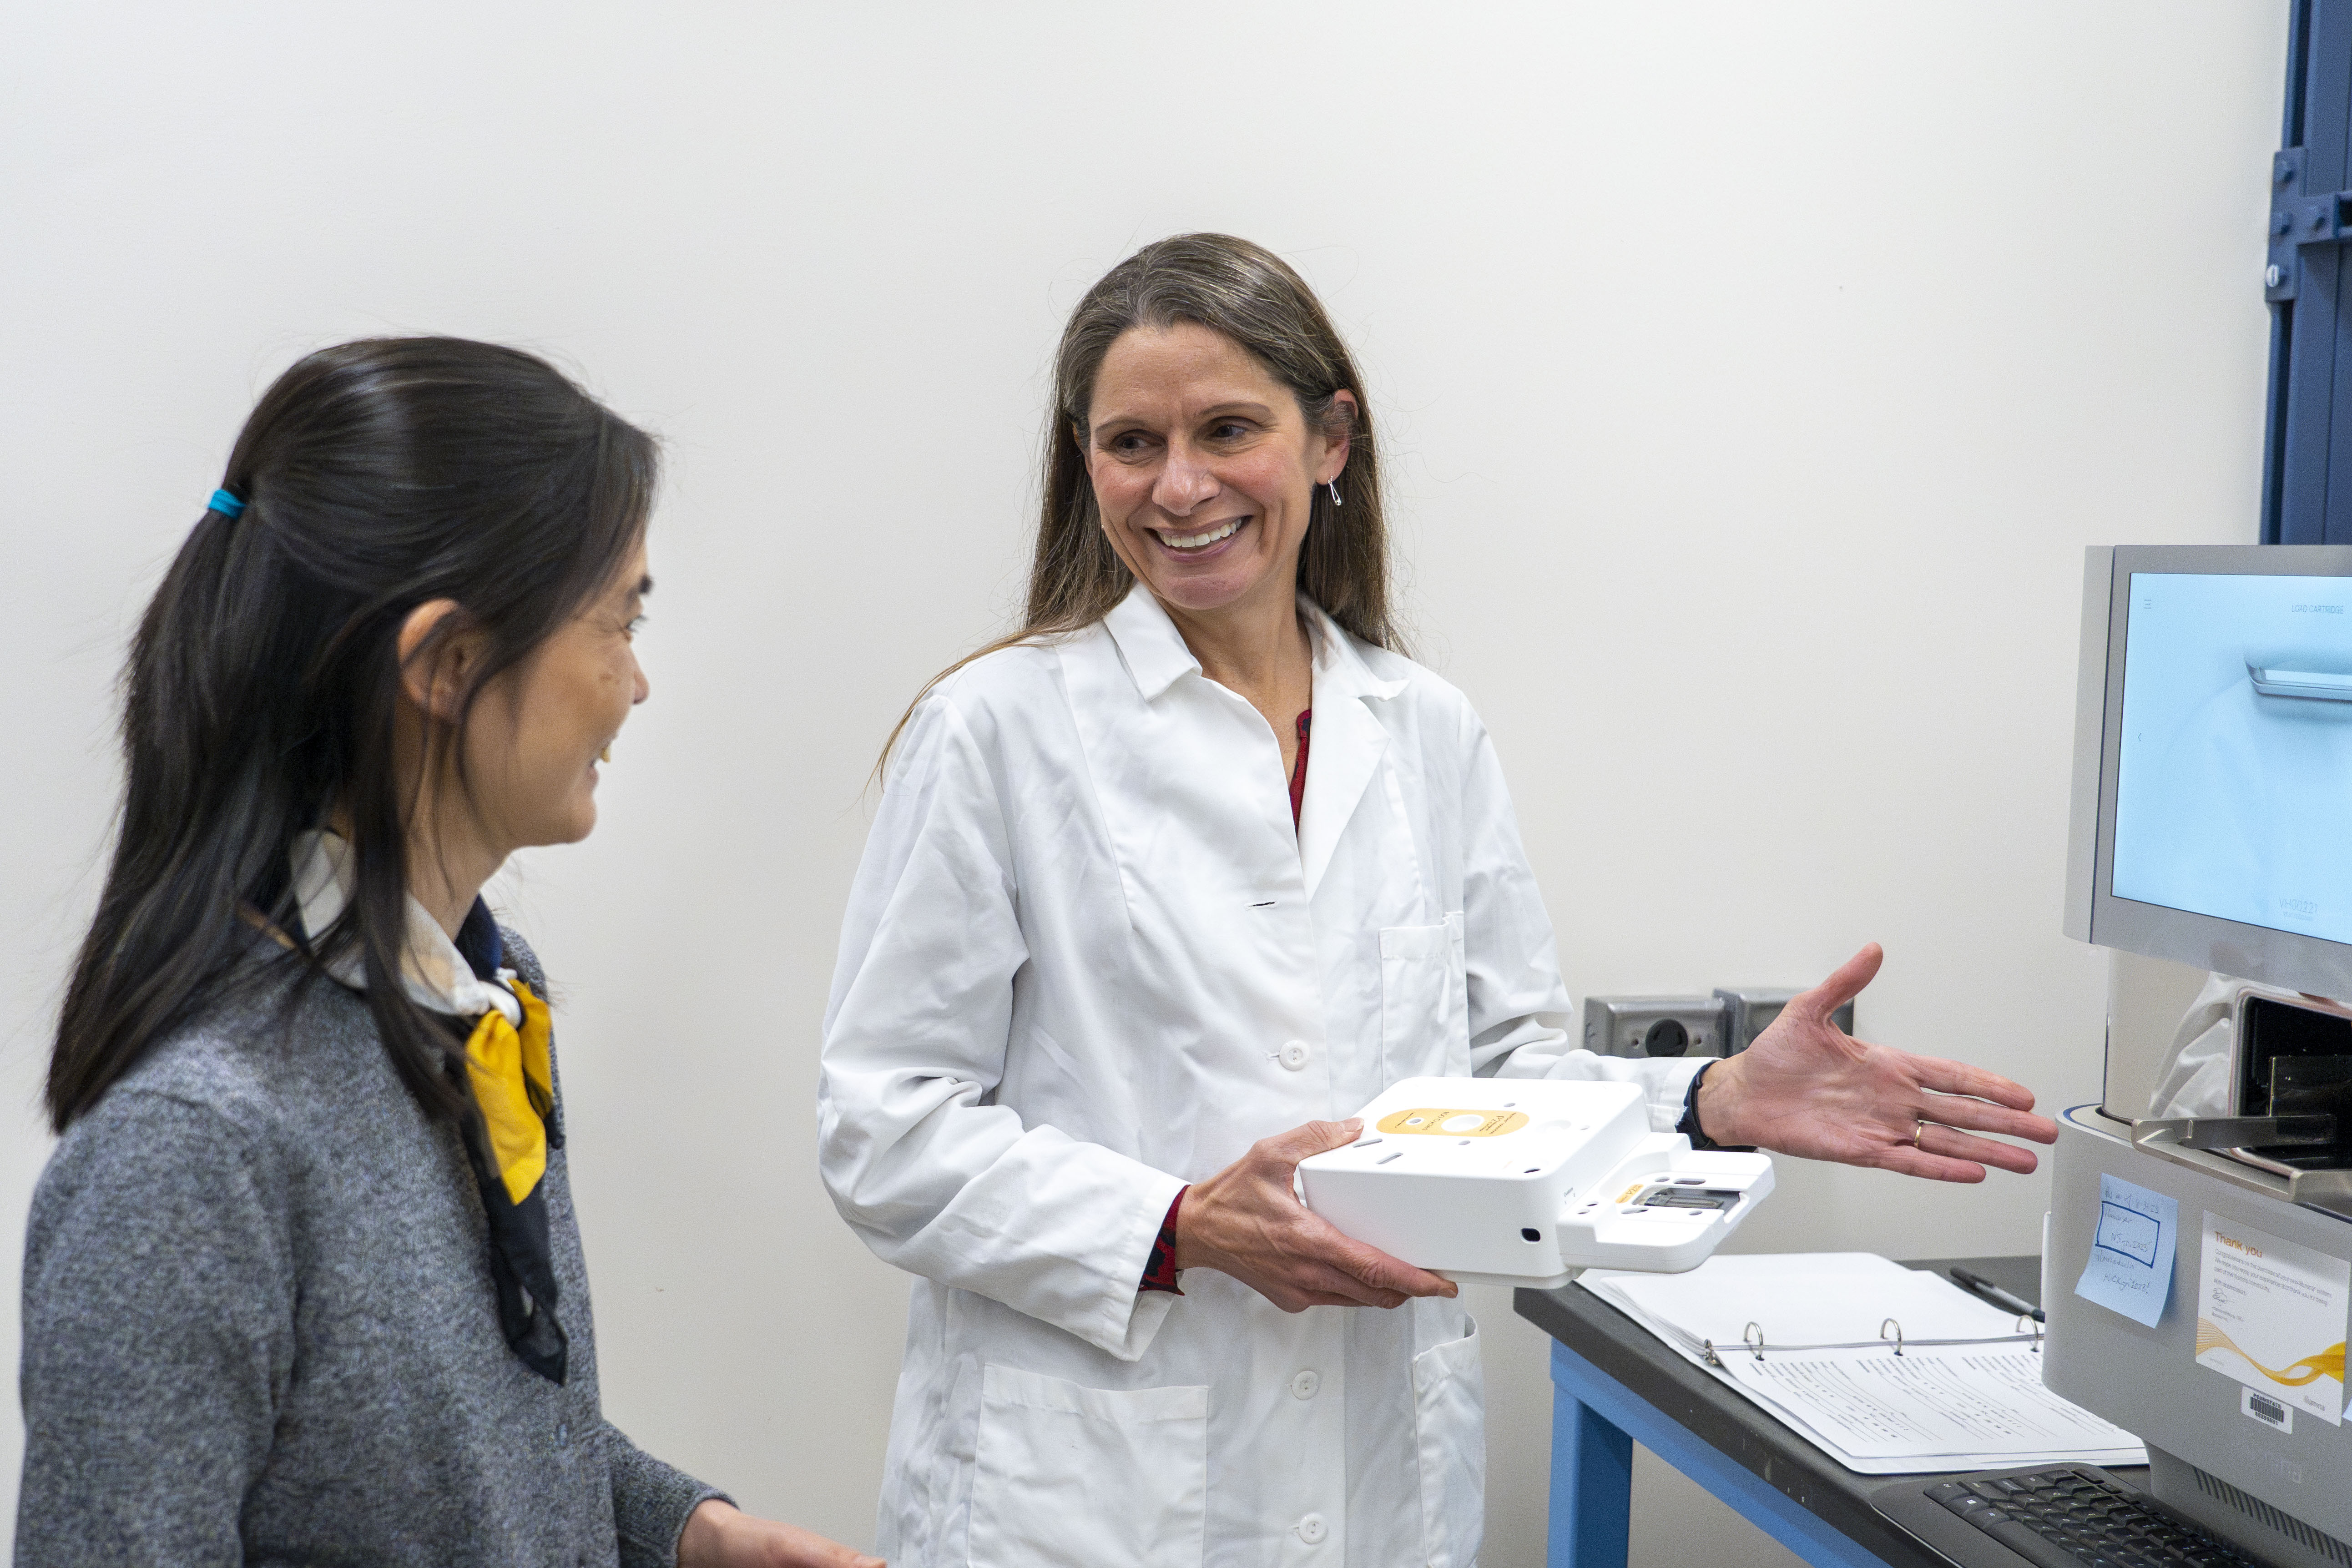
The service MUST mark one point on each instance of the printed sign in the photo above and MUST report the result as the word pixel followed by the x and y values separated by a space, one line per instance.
pixel 2271 1314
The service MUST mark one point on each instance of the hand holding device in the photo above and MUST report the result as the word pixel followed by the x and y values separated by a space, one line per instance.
pixel 1808 1088
pixel 1247 1221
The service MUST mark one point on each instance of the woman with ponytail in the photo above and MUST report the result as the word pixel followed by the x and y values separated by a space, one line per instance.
pixel 302 1279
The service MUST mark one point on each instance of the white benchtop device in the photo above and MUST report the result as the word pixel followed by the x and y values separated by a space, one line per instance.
pixel 1503 1180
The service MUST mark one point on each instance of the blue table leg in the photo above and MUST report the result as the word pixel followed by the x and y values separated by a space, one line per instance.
pixel 1595 1422
pixel 1592 1487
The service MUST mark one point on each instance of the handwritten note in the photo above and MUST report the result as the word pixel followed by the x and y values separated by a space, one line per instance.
pixel 2130 1266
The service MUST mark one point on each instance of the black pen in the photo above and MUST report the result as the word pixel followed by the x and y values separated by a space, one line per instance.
pixel 1997 1296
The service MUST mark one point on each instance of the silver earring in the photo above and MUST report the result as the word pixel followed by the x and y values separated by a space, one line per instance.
pixel 1335 492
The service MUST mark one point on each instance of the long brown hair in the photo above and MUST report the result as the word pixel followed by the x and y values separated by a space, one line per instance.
pixel 1252 296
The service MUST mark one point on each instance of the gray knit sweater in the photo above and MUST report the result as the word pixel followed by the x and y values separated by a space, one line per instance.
pixel 260 1329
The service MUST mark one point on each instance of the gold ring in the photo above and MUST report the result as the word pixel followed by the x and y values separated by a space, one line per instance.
pixel 1917 1127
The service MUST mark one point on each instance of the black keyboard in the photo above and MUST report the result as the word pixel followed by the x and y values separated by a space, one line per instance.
pixel 2070 1517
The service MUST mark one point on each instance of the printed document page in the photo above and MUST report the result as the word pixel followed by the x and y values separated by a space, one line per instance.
pixel 1965 1409
pixel 1973 1401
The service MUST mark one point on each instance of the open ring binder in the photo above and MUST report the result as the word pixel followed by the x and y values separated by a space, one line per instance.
pixel 1890 1338
pixel 1888 1368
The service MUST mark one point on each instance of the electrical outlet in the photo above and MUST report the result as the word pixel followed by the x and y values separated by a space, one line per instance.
pixel 1654 1025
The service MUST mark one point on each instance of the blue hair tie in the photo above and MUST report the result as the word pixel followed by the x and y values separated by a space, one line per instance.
pixel 224 503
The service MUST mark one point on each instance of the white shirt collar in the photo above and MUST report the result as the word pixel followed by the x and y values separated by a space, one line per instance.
pixel 433 972
pixel 1156 654
pixel 1149 643
pixel 1339 667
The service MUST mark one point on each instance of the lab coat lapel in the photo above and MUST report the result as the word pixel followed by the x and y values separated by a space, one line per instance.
pixel 1186 771
pixel 1149 644
pixel 1344 747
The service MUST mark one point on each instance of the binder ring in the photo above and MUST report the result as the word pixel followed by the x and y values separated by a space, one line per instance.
pixel 1752 1336
pixel 1897 1336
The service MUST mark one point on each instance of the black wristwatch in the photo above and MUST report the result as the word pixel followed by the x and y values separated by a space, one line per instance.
pixel 1688 1126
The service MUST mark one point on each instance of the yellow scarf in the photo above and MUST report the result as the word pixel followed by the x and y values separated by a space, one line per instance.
pixel 512 1083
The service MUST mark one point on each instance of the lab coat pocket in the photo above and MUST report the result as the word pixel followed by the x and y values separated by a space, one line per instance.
pixel 1424 1009
pixel 1449 1411
pixel 1069 1477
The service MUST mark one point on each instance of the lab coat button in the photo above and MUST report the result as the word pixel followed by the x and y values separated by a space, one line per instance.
pixel 1304 1385
pixel 1312 1529
pixel 1295 1053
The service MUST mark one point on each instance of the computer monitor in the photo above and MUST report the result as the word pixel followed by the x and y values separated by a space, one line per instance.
pixel 2212 795
pixel 2212 825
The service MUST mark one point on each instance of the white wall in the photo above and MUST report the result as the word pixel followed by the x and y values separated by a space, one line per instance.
pixel 1752 375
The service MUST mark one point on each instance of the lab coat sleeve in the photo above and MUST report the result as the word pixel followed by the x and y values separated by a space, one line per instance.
pixel 931 1176
pixel 1520 1024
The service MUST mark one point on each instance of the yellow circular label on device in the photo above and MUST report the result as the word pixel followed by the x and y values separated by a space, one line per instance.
pixel 1454 1123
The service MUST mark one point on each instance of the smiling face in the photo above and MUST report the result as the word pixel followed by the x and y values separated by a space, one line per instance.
pixel 537 733
pixel 1203 468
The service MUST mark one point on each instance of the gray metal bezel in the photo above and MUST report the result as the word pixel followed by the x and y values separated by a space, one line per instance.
pixel 2093 914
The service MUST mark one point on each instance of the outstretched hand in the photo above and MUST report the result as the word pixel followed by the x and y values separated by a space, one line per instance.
pixel 1246 1221
pixel 1808 1088
pixel 719 1535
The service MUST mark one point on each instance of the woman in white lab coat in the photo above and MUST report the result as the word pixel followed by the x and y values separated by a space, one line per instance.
pixel 1161 889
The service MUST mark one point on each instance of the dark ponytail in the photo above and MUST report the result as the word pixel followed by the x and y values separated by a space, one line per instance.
pixel 261 689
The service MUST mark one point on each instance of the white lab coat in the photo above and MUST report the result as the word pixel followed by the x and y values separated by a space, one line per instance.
pixel 2195 1080
pixel 1087 960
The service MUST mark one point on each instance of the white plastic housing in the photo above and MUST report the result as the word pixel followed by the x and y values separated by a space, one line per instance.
pixel 1526 1181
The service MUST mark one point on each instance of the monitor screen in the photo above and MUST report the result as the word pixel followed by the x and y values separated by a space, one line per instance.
pixel 2233 787
pixel 2211 817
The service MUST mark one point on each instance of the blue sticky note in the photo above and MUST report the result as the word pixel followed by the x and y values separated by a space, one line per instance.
pixel 2130 1268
